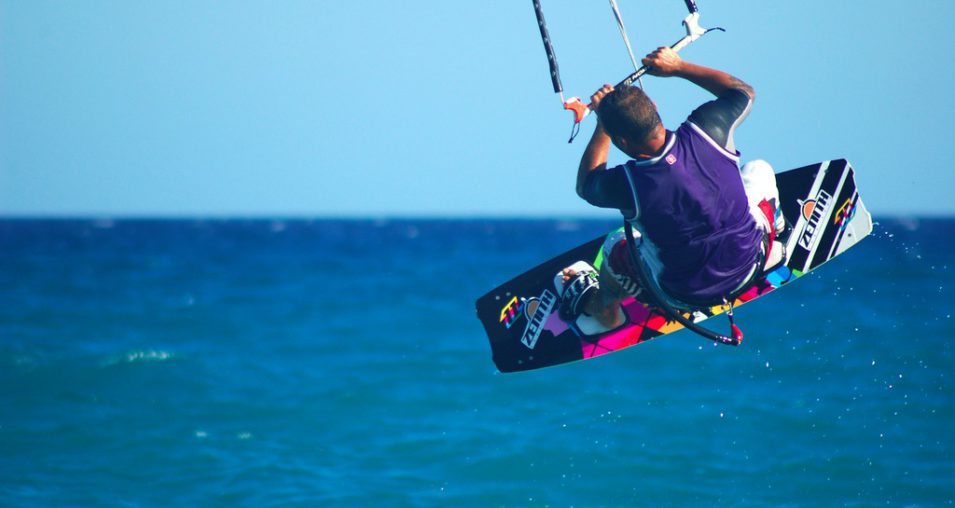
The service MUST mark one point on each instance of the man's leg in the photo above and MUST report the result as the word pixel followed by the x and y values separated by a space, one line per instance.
pixel 759 182
pixel 617 280
pixel 603 303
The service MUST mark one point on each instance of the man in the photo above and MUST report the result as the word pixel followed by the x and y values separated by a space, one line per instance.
pixel 705 226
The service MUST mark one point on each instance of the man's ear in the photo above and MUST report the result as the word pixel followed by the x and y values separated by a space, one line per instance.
pixel 622 143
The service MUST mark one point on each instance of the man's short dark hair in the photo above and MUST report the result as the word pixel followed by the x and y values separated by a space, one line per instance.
pixel 627 112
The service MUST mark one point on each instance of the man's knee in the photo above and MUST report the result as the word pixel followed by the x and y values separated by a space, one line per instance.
pixel 759 181
pixel 757 174
pixel 757 167
pixel 618 266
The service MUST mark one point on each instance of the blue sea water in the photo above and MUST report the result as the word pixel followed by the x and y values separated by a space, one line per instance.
pixel 340 363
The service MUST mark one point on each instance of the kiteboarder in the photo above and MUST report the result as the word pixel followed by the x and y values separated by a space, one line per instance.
pixel 706 226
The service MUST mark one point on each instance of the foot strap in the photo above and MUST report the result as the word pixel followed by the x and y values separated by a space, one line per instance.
pixel 576 291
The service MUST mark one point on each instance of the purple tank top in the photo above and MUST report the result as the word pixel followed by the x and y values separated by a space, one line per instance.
pixel 692 206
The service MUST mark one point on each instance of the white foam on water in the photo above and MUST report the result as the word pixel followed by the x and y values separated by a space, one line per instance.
pixel 148 355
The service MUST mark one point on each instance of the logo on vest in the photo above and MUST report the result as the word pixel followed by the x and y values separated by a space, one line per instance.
pixel 671 159
pixel 813 211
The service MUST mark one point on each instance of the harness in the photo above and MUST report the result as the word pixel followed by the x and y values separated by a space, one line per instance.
pixel 748 282
pixel 657 297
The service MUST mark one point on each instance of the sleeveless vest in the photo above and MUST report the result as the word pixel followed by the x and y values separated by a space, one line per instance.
pixel 692 206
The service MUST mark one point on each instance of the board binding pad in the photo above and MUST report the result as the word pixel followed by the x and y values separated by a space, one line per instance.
pixel 821 205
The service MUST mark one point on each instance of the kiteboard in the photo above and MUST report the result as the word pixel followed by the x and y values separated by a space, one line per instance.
pixel 820 202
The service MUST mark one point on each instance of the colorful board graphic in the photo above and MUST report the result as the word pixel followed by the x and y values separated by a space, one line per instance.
pixel 820 202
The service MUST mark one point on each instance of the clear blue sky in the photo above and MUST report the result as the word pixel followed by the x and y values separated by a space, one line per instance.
pixel 116 108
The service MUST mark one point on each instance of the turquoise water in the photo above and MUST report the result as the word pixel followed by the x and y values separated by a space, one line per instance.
pixel 340 363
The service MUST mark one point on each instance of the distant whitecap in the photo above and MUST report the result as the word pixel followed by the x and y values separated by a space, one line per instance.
pixel 148 356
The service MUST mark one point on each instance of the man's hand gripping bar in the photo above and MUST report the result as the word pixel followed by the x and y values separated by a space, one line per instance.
pixel 693 32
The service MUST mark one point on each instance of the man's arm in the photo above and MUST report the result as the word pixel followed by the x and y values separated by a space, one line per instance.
pixel 597 185
pixel 718 118
pixel 665 62
pixel 594 158
pixel 595 155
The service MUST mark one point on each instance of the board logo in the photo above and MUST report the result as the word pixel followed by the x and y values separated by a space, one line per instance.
pixel 518 307
pixel 512 311
pixel 537 311
pixel 844 214
pixel 813 210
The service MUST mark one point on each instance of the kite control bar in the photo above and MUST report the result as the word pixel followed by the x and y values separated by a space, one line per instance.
pixel 693 32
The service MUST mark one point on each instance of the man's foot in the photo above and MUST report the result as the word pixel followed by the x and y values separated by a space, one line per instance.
pixel 581 302
pixel 577 285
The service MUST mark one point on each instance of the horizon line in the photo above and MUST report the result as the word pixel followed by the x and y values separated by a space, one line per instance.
pixel 371 217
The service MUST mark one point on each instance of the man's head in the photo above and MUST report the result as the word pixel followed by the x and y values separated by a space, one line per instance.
pixel 630 118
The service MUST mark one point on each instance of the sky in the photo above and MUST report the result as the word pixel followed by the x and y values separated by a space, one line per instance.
pixel 426 108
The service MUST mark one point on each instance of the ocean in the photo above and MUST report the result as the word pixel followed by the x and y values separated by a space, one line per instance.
pixel 340 363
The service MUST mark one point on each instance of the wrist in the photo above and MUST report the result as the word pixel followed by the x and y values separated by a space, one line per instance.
pixel 683 70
